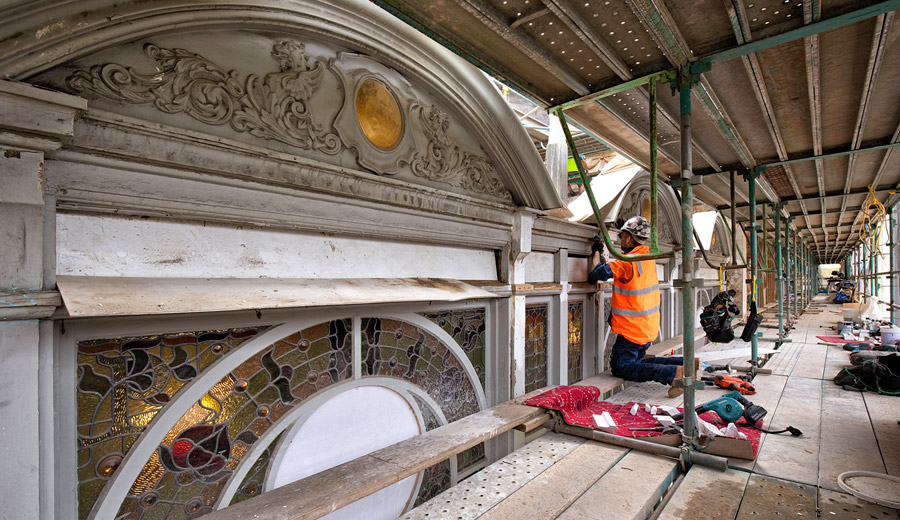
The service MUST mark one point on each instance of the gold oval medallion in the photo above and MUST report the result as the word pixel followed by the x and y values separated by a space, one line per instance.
pixel 378 114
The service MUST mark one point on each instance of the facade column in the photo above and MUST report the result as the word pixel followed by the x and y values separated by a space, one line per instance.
pixel 515 276
pixel 558 369
pixel 35 121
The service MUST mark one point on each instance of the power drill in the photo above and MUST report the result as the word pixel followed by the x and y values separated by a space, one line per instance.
pixel 731 407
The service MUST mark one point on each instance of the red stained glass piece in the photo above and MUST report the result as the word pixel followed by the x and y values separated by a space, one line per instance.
pixel 180 451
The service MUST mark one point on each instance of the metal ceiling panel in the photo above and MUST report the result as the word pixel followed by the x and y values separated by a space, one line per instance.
pixel 782 68
pixel 704 24
pixel 733 86
pixel 844 54
pixel 885 113
pixel 834 181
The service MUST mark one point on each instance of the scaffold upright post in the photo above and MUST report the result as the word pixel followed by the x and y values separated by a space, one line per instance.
pixel 690 436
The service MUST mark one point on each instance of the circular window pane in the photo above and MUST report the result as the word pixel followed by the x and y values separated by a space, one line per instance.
pixel 378 114
pixel 347 426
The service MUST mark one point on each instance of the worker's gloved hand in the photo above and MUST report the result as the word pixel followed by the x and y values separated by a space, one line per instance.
pixel 597 245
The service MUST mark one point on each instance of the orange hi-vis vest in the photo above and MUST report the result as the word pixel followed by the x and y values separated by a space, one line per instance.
pixel 635 299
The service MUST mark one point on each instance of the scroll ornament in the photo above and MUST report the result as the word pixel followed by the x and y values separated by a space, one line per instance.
pixel 275 107
pixel 443 161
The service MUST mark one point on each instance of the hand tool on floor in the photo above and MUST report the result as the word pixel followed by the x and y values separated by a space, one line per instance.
pixel 739 384
pixel 717 368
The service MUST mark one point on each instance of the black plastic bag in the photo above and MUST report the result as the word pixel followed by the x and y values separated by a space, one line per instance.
pixel 753 322
pixel 716 317
pixel 880 375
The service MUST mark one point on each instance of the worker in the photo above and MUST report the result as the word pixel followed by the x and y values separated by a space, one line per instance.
pixel 635 308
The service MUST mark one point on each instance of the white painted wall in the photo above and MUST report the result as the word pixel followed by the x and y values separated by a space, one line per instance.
pixel 104 245
pixel 578 269
pixel 539 267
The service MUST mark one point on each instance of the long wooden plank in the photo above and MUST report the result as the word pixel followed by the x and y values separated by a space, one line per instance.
pixel 479 493
pixel 788 457
pixel 811 362
pixel 884 414
pixel 675 344
pixel 605 382
pixel 774 498
pixel 848 441
pixel 548 495
pixel 629 490
pixel 708 494
pixel 324 492
pixel 784 362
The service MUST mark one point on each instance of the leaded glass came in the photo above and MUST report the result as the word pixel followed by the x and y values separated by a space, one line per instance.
pixel 123 383
pixel 466 327
pixel 535 347
pixel 576 326
pixel 191 466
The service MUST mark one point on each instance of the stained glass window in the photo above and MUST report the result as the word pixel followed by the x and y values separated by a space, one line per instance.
pixel 123 383
pixel 190 468
pixel 576 326
pixel 398 349
pixel 610 335
pixel 466 327
pixel 435 479
pixel 535 347
pixel 253 482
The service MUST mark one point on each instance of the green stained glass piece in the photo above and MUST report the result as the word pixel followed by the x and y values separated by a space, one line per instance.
pixel 319 347
pixel 128 442
pixel 87 494
pixel 87 403
pixel 292 358
pixel 189 491
pixel 319 364
pixel 87 472
pixel 389 340
pixel 244 417
pixel 258 382
pixel 207 358
pixel 300 375
pixel 268 396
pixel 163 511
pixel 167 487
pixel 104 409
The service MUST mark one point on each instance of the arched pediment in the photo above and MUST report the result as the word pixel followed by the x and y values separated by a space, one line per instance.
pixel 634 200
pixel 340 83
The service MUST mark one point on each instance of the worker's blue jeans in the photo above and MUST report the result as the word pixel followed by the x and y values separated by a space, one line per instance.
pixel 629 363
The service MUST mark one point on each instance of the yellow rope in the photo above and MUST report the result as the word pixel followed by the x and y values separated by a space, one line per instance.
pixel 874 214
pixel 720 279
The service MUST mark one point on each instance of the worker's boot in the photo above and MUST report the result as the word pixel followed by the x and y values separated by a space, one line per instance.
pixel 679 373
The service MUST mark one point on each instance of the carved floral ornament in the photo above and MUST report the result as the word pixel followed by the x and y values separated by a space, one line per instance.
pixel 386 131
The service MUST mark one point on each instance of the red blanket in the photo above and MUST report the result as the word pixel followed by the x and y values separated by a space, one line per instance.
pixel 578 404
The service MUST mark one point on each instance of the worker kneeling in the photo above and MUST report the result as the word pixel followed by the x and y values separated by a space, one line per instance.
pixel 635 308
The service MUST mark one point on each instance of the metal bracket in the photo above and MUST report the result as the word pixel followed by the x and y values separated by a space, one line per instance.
pixel 678 183
pixel 689 74
pixel 678 282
